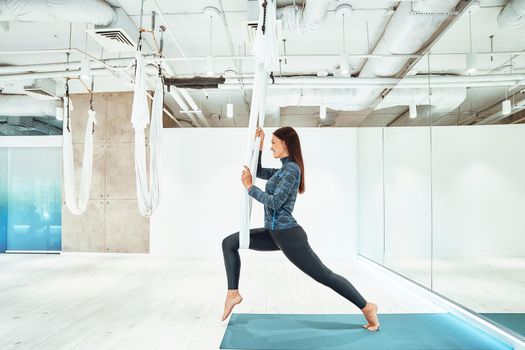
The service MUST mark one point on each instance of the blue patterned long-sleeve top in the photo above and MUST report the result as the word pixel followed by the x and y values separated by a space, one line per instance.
pixel 280 193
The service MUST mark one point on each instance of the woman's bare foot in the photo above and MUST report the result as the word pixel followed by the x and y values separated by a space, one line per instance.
pixel 232 298
pixel 370 312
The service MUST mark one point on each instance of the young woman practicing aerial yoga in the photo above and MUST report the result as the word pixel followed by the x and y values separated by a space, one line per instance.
pixel 281 231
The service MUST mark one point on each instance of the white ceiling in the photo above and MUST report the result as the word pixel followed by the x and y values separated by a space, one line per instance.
pixel 192 29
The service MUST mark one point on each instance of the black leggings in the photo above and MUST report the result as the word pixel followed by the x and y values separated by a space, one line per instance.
pixel 294 244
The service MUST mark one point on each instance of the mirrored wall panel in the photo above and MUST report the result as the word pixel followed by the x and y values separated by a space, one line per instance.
pixel 445 210
pixel 479 225
pixel 370 193
pixel 407 202
pixel 442 190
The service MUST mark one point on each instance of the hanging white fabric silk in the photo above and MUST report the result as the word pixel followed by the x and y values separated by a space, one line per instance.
pixel 77 207
pixel 266 59
pixel 147 194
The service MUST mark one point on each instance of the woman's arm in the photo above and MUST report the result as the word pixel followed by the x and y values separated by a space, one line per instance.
pixel 291 174
pixel 264 173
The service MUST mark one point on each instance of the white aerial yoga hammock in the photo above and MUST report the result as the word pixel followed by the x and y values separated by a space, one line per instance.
pixel 266 59
pixel 77 207
pixel 148 196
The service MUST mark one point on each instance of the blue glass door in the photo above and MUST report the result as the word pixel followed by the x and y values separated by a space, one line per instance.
pixel 3 199
pixel 34 192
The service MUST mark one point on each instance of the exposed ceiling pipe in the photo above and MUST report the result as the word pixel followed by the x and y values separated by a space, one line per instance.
pixel 96 12
pixel 377 35
pixel 512 15
pixel 446 99
pixel 45 67
pixel 26 106
pixel 251 57
pixel 179 47
pixel 308 19
pixel 407 32
pixel 340 99
pixel 419 81
pixel 284 87
pixel 53 74
pixel 328 82
pixel 236 62
pixel 129 60
pixel 172 35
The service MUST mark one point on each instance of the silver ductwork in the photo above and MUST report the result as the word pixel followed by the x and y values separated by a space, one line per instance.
pixel 338 93
pixel 96 12
pixel 26 106
pixel 308 19
pixel 411 26
pixel 408 31
pixel 442 100
pixel 512 15
pixel 446 99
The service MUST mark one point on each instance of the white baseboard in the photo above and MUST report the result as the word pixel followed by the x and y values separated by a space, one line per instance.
pixel 105 254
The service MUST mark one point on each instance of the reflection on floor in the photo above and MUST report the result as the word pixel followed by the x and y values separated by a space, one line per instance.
pixel 140 302
pixel 484 284
pixel 513 321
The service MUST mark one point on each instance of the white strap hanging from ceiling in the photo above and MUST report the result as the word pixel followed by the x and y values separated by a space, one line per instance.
pixel 77 207
pixel 148 196
pixel 266 59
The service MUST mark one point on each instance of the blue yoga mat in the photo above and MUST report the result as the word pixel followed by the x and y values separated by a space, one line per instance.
pixel 338 332
pixel 513 321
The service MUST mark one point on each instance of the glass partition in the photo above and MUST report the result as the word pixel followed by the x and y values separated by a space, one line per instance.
pixel 370 193
pixel 3 199
pixel 479 245
pixel 442 196
pixel 30 202
pixel 407 202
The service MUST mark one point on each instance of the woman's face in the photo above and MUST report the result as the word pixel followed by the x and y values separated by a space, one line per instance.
pixel 279 149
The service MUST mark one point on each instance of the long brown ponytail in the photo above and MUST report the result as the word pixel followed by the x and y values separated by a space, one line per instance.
pixel 291 140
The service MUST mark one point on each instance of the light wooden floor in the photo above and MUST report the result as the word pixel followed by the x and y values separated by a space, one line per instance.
pixel 94 301
pixel 483 284
pixel 489 284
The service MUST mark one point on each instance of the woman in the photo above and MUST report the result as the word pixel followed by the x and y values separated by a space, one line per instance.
pixel 281 231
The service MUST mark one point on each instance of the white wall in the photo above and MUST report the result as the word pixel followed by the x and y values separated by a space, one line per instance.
pixel 479 190
pixel 201 189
